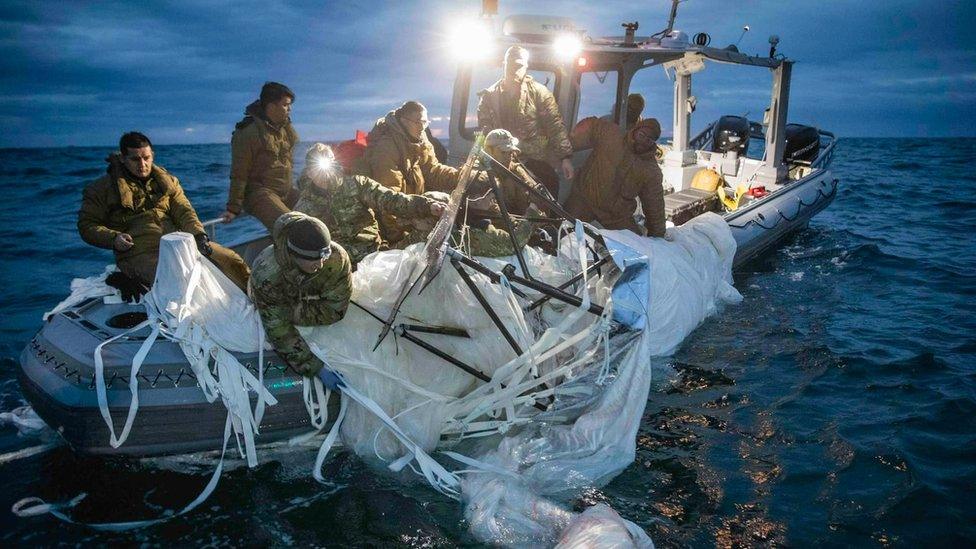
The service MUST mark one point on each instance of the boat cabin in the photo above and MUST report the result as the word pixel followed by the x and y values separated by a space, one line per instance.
pixel 572 64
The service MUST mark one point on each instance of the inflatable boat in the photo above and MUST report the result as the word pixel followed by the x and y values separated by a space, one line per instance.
pixel 770 195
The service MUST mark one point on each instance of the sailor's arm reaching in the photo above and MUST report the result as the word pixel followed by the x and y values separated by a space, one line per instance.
pixel 303 279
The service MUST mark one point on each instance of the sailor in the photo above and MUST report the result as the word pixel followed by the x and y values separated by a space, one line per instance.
pixel 349 203
pixel 528 110
pixel 621 171
pixel 303 279
pixel 261 158
pixel 134 204
pixel 399 157
pixel 503 147
pixel 634 113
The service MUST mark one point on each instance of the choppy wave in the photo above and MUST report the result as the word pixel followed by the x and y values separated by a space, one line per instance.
pixel 834 406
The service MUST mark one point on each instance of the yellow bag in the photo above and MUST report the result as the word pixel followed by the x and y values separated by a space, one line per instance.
pixel 732 204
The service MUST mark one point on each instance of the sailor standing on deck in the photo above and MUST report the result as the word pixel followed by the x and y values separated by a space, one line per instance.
pixel 303 279
pixel 621 171
pixel 131 207
pixel 261 158
pixel 528 110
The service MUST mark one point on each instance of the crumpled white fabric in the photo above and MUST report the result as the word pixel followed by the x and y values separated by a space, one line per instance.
pixel 515 490
pixel 86 288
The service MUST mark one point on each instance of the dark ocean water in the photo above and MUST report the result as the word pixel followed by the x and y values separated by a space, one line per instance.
pixel 835 406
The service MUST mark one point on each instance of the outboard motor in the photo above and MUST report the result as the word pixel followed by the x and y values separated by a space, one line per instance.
pixel 802 143
pixel 731 134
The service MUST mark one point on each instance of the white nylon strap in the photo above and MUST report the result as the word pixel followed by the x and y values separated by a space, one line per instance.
pixel 34 506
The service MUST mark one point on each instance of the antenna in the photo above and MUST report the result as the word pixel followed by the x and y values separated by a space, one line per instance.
pixel 674 14
pixel 745 29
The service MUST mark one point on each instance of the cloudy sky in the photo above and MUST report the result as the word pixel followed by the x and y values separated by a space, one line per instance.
pixel 80 73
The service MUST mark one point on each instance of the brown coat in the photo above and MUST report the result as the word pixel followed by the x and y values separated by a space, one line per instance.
pixel 538 125
pixel 614 178
pixel 118 203
pixel 261 160
pixel 405 165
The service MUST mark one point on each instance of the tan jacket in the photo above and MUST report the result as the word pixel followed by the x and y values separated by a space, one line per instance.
pixel 538 124
pixel 261 156
pixel 613 178
pixel 118 203
pixel 400 163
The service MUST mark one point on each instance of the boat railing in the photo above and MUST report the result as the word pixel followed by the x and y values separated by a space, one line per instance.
pixel 698 142
pixel 211 227
pixel 826 151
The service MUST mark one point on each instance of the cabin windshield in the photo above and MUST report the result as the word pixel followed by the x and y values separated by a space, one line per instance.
pixel 484 76
pixel 598 94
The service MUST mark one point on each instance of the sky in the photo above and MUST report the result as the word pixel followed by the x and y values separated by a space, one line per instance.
pixel 81 73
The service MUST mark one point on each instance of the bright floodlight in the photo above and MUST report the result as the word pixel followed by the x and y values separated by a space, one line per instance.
pixel 470 41
pixel 567 46
pixel 324 163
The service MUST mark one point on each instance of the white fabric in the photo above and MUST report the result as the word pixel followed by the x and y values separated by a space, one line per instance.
pixel 86 288
pixel 519 466
pixel 512 484
pixel 196 305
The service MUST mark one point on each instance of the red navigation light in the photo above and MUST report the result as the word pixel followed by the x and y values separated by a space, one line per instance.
pixel 581 62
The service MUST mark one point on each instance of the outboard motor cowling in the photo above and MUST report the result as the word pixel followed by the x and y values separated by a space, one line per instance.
pixel 731 134
pixel 802 143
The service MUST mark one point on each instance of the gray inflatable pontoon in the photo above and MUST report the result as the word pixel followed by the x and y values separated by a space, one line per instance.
pixel 57 367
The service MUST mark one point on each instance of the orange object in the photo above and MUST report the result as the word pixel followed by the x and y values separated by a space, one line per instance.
pixel 758 192
pixel 349 151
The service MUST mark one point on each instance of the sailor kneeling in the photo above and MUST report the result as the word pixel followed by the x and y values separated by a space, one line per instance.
pixel 303 279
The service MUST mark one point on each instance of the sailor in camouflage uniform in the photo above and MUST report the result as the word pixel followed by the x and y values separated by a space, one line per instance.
pixel 350 203
pixel 303 279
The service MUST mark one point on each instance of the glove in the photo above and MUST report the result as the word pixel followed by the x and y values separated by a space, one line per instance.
pixel 131 289
pixel 330 379
pixel 203 244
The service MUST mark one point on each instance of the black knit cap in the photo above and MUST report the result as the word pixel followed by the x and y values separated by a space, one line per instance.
pixel 309 239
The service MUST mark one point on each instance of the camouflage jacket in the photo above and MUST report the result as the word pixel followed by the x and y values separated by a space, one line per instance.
pixel 349 208
pixel 261 156
pixel 118 203
pixel 287 297
pixel 538 125
pixel 492 241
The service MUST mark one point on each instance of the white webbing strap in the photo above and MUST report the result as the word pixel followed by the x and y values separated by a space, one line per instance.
pixel 34 506
pixel 100 391
pixel 439 478
pixel 329 441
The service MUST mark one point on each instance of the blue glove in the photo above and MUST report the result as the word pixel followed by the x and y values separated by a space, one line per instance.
pixel 330 379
